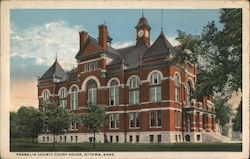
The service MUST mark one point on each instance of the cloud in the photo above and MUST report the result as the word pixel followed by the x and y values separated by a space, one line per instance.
pixel 40 43
pixel 119 45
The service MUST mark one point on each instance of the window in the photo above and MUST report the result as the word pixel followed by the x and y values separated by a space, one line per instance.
pixel 114 121
pixel 134 93
pixel 117 138
pixel 134 120
pixel 155 87
pixel 177 88
pixel 74 98
pixel 65 138
pixel 63 98
pixel 151 137
pixel 45 96
pixel 198 137
pixel 43 139
pixel 60 138
pixel 177 119
pixel 137 138
pixel 76 138
pixel 152 118
pixel 159 118
pixel 189 92
pixel 155 118
pixel 73 126
pixel 91 66
pixel 114 93
pixel 111 138
pixel 131 120
pixel 71 138
pixel 137 119
pixel 197 120
pixel 92 91
pixel 159 138
pixel 47 138
pixel 130 138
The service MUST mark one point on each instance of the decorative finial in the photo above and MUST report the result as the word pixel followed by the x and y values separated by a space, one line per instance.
pixel 56 56
pixel 142 12
pixel 161 20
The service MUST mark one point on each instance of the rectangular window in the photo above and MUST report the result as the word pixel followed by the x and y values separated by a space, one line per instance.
pixel 114 95
pixel 111 138
pixel 151 137
pixel 74 100
pixel 76 138
pixel 111 121
pixel 91 66
pixel 159 118
pixel 65 138
pixel 130 138
pixel 134 97
pixel 117 121
pixel 71 138
pixel 155 94
pixel 117 138
pixel 92 95
pixel 137 119
pixel 131 120
pixel 137 138
pixel 152 118
pixel 159 138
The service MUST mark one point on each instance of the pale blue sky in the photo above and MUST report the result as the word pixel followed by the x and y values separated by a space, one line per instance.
pixel 36 35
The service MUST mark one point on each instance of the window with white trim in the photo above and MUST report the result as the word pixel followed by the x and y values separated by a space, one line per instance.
pixel 114 93
pixel 74 98
pixel 114 121
pixel 155 87
pixel 92 91
pixel 73 126
pixel 177 87
pixel 155 118
pixel 134 93
pixel 63 98
pixel 189 92
pixel 134 120
pixel 46 95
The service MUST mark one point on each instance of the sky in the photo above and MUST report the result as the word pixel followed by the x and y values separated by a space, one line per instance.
pixel 37 35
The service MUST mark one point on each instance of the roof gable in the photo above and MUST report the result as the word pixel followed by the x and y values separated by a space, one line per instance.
pixel 160 46
pixel 90 47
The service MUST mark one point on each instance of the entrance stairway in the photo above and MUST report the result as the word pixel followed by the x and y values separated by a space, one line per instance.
pixel 214 137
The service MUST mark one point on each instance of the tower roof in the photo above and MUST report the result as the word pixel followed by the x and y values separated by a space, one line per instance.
pixel 160 46
pixel 54 71
pixel 143 22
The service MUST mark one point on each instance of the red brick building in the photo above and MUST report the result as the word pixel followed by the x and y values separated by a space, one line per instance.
pixel 147 98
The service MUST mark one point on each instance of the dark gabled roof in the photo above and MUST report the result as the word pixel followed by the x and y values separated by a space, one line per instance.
pixel 142 22
pixel 160 46
pixel 54 71
pixel 88 41
pixel 132 54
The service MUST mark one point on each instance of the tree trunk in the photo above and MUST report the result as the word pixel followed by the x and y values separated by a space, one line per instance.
pixel 54 142
pixel 94 141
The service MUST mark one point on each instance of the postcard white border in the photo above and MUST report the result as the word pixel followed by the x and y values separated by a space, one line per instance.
pixel 77 4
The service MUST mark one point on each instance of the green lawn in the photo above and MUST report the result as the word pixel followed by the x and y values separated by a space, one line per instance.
pixel 26 145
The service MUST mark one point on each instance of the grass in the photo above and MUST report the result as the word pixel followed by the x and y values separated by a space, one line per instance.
pixel 26 145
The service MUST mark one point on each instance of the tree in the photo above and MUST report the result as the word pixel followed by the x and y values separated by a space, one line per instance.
pixel 222 111
pixel 57 118
pixel 27 122
pixel 94 119
pixel 237 126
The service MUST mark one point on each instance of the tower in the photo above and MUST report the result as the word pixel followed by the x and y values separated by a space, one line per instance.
pixel 143 32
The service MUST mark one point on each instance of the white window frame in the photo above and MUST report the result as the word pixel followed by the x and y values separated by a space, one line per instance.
pixel 74 99
pixel 115 90
pixel 134 91
pixel 155 86
pixel 63 97
pixel 92 95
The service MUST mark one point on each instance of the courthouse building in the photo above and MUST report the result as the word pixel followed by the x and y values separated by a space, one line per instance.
pixel 148 98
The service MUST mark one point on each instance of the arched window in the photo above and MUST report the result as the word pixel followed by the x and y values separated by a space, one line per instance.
pixel 155 87
pixel 45 95
pixel 134 93
pixel 189 92
pixel 63 98
pixel 177 87
pixel 114 93
pixel 74 98
pixel 92 91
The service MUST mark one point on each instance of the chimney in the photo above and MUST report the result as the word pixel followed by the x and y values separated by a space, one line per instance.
pixel 103 36
pixel 83 37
